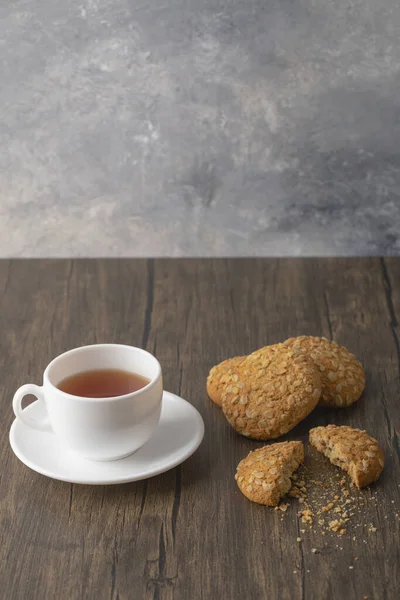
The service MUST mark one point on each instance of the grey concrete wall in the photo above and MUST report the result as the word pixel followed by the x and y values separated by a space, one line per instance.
pixel 199 127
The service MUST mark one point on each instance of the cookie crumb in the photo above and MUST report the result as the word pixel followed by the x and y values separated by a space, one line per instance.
pixel 306 516
pixel 334 525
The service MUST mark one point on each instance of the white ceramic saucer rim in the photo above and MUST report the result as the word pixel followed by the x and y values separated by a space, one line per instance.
pixel 146 474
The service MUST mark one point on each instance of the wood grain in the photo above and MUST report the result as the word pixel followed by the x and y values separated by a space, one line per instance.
pixel 189 533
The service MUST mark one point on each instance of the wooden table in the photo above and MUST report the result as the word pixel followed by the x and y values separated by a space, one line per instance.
pixel 189 533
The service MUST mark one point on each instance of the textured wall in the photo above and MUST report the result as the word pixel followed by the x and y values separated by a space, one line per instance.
pixel 199 127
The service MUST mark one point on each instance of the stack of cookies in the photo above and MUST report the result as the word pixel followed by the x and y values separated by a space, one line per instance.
pixel 264 395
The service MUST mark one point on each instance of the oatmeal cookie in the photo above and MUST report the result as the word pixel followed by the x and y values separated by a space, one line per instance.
pixel 352 450
pixel 270 392
pixel 342 375
pixel 264 475
pixel 218 376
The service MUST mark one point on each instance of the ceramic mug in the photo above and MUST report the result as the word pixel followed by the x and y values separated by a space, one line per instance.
pixel 98 428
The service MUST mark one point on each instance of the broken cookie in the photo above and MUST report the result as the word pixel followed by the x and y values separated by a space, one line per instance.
pixel 352 450
pixel 264 475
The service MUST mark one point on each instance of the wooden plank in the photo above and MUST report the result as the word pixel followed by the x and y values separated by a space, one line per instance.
pixel 190 533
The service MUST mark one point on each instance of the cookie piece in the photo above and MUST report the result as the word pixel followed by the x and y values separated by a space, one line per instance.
pixel 264 475
pixel 217 377
pixel 342 375
pixel 352 450
pixel 270 392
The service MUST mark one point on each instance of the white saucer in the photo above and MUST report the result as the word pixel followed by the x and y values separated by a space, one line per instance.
pixel 179 433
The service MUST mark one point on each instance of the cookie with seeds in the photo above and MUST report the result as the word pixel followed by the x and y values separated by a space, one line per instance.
pixel 218 376
pixel 352 450
pixel 270 392
pixel 264 475
pixel 342 375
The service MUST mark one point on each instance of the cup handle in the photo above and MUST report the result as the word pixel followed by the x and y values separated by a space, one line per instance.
pixel 24 390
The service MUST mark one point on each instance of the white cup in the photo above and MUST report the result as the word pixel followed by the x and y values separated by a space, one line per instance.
pixel 98 428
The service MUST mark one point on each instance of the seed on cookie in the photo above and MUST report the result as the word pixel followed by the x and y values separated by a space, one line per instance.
pixel 219 375
pixel 352 450
pixel 279 389
pixel 264 475
pixel 342 375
